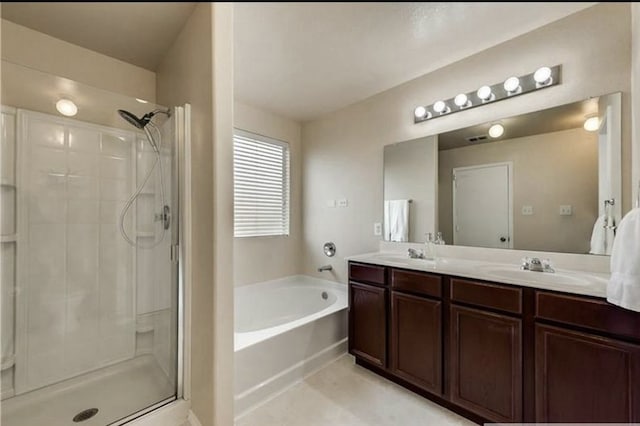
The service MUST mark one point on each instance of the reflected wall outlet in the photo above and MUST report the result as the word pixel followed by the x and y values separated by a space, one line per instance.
pixel 566 210
pixel 527 210
pixel 377 229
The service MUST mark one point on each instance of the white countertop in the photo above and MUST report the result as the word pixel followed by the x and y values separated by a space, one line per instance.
pixel 564 280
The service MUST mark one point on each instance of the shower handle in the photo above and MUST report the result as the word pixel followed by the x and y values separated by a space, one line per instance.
pixel 164 217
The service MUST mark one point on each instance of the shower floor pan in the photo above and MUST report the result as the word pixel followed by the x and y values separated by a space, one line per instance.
pixel 116 391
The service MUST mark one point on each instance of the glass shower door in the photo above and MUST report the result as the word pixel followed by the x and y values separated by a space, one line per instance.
pixel 89 287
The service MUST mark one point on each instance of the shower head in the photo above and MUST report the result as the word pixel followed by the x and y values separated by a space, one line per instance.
pixel 140 123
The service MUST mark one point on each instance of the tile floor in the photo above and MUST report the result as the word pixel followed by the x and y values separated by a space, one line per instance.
pixel 344 394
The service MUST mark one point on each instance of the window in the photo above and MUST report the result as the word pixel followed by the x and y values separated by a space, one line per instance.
pixel 261 185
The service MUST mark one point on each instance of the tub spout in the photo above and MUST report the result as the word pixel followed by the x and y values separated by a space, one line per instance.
pixel 325 268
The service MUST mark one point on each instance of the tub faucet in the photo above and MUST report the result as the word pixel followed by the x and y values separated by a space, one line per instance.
pixel 325 268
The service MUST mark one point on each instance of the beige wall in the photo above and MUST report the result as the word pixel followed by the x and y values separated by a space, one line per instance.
pixel 34 49
pixel 549 170
pixel 342 151
pixel 197 70
pixel 410 173
pixel 266 258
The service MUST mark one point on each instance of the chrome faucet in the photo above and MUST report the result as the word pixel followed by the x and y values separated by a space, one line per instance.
pixel 534 264
pixel 325 268
pixel 416 254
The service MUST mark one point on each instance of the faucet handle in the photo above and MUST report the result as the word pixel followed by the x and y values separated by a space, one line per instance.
pixel 547 266
pixel 524 263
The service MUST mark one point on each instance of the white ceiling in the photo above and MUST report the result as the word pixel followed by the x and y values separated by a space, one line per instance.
pixel 138 33
pixel 302 60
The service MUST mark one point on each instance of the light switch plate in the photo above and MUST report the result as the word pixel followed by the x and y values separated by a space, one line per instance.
pixel 377 229
pixel 527 210
pixel 566 210
pixel 343 202
pixel 331 203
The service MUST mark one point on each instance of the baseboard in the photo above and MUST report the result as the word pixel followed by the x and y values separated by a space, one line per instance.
pixel 263 392
pixel 192 419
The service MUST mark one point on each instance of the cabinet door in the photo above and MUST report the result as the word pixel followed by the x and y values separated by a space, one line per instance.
pixel 416 342
pixel 367 323
pixel 486 363
pixel 585 378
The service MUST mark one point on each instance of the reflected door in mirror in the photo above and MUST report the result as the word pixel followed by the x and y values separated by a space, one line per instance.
pixel 482 206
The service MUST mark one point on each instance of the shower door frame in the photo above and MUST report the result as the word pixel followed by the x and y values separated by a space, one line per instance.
pixel 177 405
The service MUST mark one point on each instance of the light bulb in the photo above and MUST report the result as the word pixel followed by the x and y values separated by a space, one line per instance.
pixel 142 101
pixel 461 100
pixel 66 107
pixel 496 130
pixel 484 93
pixel 420 112
pixel 542 76
pixel 511 84
pixel 592 124
pixel 440 107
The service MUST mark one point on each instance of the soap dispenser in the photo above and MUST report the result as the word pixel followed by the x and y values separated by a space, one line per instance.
pixel 429 247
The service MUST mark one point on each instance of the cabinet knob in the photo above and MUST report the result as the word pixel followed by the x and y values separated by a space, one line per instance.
pixel 503 239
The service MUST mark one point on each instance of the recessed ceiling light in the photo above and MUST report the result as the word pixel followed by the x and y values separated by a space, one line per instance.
pixel 66 107
pixel 496 130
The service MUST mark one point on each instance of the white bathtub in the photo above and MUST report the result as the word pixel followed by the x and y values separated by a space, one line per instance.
pixel 285 329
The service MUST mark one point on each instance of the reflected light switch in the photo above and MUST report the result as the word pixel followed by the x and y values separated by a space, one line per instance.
pixel 331 203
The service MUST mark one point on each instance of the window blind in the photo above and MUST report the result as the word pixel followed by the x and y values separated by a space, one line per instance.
pixel 261 185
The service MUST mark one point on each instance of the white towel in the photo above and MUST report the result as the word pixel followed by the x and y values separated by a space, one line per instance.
pixel 601 237
pixel 396 220
pixel 624 286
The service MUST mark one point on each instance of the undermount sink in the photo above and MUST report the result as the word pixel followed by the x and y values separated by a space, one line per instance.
pixel 404 259
pixel 537 277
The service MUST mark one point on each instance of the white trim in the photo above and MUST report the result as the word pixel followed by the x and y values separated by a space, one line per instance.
pixel 185 247
pixel 509 165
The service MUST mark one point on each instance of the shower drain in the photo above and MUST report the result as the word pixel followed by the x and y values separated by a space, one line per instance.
pixel 85 415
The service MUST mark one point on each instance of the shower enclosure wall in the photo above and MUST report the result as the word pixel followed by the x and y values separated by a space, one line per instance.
pixel 89 321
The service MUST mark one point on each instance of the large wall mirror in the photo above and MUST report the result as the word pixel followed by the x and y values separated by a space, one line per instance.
pixel 549 180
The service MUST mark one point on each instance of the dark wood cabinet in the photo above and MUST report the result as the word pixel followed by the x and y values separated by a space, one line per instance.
pixel 582 377
pixel 496 352
pixel 486 363
pixel 367 322
pixel 416 340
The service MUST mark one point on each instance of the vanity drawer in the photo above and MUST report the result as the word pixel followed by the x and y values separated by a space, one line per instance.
pixel 367 273
pixel 595 314
pixel 416 282
pixel 495 296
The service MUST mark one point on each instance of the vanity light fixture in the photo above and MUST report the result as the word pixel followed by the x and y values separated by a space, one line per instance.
pixel 592 124
pixel 66 107
pixel 441 107
pixel 421 112
pixel 496 130
pixel 512 85
pixel 541 78
pixel 462 101
pixel 485 94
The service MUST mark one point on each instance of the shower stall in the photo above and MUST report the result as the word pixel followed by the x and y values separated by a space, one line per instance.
pixel 89 267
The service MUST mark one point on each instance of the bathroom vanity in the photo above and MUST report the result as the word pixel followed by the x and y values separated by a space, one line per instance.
pixel 522 348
